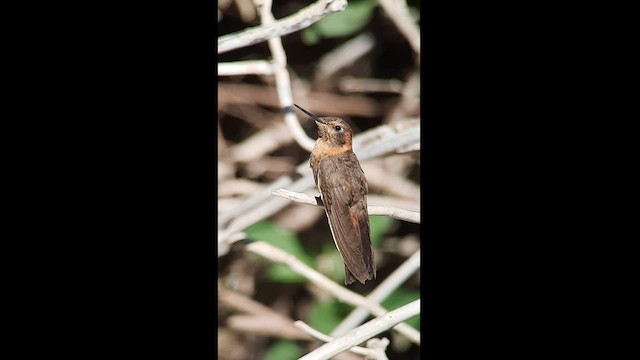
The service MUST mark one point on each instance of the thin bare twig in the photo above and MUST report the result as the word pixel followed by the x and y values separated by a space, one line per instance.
pixel 261 319
pixel 261 143
pixel 399 13
pixel 364 332
pixel 253 114
pixel 269 166
pixel 292 23
pixel 344 55
pixel 237 186
pixel 391 182
pixel 227 203
pixel 351 84
pixel 298 217
pixel 389 285
pixel 343 294
pixel 368 353
pixel 246 10
pixel 297 197
pixel 396 213
pixel 259 67
pixel 226 169
pixel 265 325
pixel 283 82
pixel 382 200
pixel 409 148
pixel 319 102
pixel 409 101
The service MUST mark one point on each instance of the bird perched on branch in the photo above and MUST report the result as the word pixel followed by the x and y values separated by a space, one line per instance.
pixel 343 189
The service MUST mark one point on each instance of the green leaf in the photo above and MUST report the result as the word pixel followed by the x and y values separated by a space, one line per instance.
pixel 283 274
pixel 379 226
pixel 285 240
pixel 284 350
pixel 325 316
pixel 357 14
pixel 402 297
pixel 310 37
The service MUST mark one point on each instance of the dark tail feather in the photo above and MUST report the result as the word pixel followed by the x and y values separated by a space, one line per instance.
pixel 349 277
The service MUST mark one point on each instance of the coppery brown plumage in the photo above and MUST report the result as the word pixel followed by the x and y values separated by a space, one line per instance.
pixel 343 188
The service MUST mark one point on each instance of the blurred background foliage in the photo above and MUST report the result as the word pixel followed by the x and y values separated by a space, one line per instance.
pixel 346 23
pixel 248 106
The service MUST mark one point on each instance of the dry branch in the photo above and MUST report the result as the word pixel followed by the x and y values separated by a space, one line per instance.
pixel 349 84
pixel 321 103
pixel 246 10
pixel 380 293
pixel 259 318
pixel 409 101
pixel 376 353
pixel 261 143
pixel 237 186
pixel 345 295
pixel 292 23
pixel 265 325
pixel 398 12
pixel 364 332
pixel 283 83
pixel 344 55
pixel 259 67
pixel 396 213
pixel 379 176
pixel 381 200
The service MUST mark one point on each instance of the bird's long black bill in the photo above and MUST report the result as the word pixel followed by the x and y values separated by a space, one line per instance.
pixel 314 117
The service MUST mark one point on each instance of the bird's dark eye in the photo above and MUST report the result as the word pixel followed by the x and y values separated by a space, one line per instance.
pixel 338 128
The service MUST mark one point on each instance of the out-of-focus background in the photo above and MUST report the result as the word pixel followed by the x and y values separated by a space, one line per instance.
pixel 359 64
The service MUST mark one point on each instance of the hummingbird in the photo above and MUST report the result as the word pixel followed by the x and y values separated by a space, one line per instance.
pixel 343 189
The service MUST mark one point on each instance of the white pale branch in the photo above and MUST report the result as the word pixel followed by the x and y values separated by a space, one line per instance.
pixel 287 25
pixel 380 293
pixel 364 332
pixel 339 292
pixel 394 212
pixel 374 353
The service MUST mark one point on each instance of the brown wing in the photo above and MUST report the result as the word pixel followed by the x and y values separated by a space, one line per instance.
pixel 343 188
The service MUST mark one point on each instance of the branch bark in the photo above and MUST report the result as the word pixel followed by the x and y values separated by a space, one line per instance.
pixel 364 332
pixel 375 353
pixel 283 82
pixel 292 23
pixel 390 284
pixel 398 12
pixel 258 318
pixel 394 212
pixel 274 254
